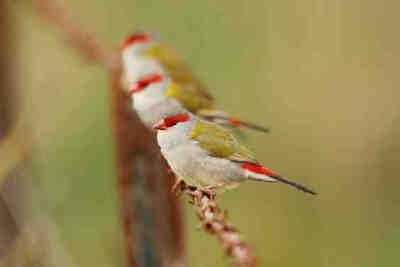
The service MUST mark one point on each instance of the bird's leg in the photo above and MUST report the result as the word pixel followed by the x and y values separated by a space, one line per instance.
pixel 170 171
pixel 179 187
pixel 209 191
pixel 192 193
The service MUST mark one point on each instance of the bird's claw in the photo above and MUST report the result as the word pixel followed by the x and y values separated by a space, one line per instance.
pixel 170 171
pixel 179 187
pixel 209 191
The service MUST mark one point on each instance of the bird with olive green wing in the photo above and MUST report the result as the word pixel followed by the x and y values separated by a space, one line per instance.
pixel 206 155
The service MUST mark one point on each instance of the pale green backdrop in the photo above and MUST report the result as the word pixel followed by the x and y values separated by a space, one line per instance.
pixel 324 75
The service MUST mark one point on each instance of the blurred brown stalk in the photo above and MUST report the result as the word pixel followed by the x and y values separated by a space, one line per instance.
pixel 151 216
pixel 14 147
pixel 213 221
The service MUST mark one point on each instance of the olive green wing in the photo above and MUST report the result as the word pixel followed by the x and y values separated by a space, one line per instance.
pixel 177 69
pixel 218 142
pixel 188 98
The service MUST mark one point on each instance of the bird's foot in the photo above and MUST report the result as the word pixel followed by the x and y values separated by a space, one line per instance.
pixel 209 191
pixel 179 187
pixel 170 171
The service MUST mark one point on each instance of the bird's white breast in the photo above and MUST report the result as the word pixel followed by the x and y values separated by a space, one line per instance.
pixel 136 65
pixel 192 163
pixel 152 104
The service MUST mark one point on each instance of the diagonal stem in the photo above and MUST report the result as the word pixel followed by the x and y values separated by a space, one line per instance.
pixel 213 221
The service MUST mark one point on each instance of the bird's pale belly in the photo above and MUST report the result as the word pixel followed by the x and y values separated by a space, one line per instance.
pixel 197 168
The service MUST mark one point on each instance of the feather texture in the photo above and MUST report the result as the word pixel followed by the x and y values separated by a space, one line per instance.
pixel 270 175
pixel 219 142
pixel 189 98
pixel 177 69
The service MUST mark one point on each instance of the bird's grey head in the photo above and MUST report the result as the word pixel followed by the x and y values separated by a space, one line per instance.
pixel 138 42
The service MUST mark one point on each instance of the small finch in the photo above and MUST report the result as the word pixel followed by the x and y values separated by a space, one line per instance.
pixel 204 154
pixel 146 61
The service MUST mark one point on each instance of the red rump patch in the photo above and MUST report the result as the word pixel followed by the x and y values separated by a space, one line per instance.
pixel 139 85
pixel 170 121
pixel 235 121
pixel 134 38
pixel 257 168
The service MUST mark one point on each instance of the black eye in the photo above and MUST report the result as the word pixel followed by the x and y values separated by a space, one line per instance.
pixel 172 123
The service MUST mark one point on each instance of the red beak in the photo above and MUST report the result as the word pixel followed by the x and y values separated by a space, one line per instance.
pixel 160 125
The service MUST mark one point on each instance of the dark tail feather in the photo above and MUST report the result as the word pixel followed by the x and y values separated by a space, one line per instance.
pixel 298 186
pixel 237 122
pixel 254 127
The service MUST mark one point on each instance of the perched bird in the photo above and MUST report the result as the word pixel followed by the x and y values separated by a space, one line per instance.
pixel 143 54
pixel 204 154
pixel 144 57
pixel 151 99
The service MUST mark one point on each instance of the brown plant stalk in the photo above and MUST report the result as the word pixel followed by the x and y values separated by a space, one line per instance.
pixel 77 36
pixel 213 221
pixel 151 217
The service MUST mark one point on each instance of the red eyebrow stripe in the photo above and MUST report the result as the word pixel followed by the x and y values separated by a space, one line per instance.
pixel 139 85
pixel 235 121
pixel 176 118
pixel 137 37
pixel 256 168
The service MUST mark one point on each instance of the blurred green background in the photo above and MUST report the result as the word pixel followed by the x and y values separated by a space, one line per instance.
pixel 324 75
